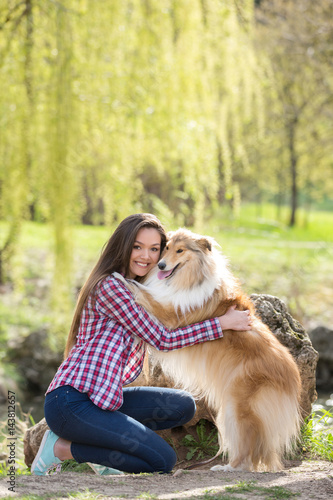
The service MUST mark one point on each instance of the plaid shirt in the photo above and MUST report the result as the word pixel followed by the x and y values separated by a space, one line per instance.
pixel 111 344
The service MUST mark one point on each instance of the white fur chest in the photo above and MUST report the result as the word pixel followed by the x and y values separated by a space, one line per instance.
pixel 165 292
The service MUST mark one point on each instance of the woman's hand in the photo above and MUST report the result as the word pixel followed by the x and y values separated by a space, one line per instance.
pixel 235 320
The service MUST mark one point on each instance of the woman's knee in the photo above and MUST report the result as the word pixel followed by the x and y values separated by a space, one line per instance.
pixel 168 462
pixel 188 407
pixel 53 413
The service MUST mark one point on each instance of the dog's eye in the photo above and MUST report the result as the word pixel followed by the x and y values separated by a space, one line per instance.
pixel 179 250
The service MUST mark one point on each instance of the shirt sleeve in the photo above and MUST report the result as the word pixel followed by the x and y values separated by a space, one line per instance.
pixel 114 300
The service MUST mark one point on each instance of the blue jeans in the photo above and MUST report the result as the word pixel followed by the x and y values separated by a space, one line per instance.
pixel 123 439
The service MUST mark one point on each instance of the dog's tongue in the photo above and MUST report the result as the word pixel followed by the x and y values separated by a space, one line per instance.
pixel 163 274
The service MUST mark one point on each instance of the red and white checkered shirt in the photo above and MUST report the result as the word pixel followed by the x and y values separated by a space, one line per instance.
pixel 111 344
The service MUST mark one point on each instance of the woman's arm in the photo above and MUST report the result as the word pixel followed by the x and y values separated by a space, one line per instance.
pixel 114 300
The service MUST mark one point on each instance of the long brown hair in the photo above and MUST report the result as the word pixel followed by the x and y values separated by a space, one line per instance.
pixel 115 257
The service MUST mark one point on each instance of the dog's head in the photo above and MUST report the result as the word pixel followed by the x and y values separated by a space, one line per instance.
pixel 186 259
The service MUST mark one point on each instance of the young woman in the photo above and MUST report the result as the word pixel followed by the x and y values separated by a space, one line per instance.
pixel 91 416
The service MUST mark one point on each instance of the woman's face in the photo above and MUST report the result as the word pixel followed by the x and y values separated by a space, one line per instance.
pixel 146 252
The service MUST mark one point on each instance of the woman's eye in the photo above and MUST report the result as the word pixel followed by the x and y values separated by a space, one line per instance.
pixel 136 247
pixel 179 250
pixel 155 249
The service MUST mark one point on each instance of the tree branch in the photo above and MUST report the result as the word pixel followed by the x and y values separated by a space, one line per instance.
pixel 11 14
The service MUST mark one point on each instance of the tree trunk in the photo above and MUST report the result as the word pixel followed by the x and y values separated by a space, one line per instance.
pixel 8 250
pixel 293 172
pixel 29 88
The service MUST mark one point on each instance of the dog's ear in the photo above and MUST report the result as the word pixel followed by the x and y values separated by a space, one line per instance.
pixel 170 234
pixel 205 243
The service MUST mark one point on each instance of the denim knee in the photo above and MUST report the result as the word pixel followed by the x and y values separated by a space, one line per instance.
pixel 54 413
pixel 188 408
pixel 170 459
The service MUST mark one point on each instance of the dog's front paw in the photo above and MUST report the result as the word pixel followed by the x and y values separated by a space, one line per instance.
pixel 225 468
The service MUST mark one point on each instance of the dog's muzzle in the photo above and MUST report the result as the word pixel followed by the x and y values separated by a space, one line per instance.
pixel 165 274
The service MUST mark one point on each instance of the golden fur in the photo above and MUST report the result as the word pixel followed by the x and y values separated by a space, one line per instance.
pixel 248 378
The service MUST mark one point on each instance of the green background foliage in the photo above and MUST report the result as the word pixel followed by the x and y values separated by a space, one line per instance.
pixel 108 108
pixel 190 109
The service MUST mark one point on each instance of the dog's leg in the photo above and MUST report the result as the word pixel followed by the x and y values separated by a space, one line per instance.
pixel 242 432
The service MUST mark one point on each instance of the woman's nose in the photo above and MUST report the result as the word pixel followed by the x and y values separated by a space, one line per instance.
pixel 145 253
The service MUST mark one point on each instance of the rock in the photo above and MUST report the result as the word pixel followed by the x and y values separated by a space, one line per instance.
pixel 35 360
pixel 273 312
pixel 32 440
pixel 322 340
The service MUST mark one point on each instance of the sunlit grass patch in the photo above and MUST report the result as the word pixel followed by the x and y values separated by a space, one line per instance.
pixel 146 495
pixel 317 434
pixel 85 495
pixel 73 466
pixel 264 220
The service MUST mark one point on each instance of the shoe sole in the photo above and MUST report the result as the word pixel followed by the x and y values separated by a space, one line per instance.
pixel 34 463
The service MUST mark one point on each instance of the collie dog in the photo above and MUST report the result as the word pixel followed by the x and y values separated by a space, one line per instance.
pixel 248 378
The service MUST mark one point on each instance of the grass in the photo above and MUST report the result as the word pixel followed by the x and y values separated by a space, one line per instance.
pixel 205 443
pixel 317 435
pixel 146 495
pixel 261 220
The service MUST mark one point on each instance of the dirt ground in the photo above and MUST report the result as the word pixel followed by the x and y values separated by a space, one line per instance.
pixel 304 480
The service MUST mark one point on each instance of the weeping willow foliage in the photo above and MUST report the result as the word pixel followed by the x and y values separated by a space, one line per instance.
pixel 16 125
pixel 167 86
pixel 60 174
pixel 113 107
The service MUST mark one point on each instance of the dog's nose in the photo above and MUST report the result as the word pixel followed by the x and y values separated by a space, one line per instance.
pixel 161 265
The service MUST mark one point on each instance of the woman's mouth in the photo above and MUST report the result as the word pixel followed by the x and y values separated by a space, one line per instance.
pixel 144 265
